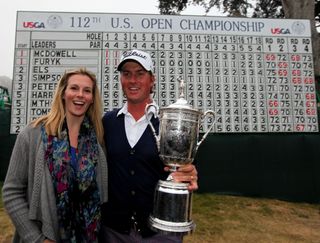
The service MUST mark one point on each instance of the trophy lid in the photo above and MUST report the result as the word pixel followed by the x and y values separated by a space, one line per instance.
pixel 181 102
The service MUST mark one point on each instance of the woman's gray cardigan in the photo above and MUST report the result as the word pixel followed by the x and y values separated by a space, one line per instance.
pixel 28 193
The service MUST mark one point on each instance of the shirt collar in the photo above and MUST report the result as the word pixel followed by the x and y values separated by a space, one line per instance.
pixel 152 111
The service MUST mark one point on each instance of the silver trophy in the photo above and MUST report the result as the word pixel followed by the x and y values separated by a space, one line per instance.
pixel 177 145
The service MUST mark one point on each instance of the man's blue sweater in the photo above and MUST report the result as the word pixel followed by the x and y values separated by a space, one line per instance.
pixel 133 175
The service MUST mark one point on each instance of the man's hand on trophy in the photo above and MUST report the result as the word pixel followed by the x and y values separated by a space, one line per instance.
pixel 186 173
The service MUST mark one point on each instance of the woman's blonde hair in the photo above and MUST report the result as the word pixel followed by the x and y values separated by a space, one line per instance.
pixel 53 121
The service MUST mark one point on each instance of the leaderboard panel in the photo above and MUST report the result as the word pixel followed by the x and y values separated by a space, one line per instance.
pixel 256 74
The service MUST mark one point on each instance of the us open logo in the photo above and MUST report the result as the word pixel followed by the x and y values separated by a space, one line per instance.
pixel 54 21
pixel 298 27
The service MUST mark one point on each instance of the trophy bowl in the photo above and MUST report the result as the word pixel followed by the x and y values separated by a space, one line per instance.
pixel 179 129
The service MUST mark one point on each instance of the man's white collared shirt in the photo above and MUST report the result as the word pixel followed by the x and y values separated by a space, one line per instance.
pixel 135 129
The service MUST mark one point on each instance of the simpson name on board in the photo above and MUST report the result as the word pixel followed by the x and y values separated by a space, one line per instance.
pixel 46 77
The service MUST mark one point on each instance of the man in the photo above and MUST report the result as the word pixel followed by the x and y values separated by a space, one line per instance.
pixel 133 160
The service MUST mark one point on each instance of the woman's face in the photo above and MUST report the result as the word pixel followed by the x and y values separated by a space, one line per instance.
pixel 78 95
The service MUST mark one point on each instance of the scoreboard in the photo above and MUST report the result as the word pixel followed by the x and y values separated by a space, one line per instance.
pixel 256 74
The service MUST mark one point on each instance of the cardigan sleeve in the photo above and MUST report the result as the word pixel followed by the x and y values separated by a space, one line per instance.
pixel 14 191
pixel 102 175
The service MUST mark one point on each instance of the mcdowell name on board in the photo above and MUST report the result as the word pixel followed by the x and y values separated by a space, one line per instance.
pixel 54 53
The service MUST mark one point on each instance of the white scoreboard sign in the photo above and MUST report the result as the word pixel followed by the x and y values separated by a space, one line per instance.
pixel 256 74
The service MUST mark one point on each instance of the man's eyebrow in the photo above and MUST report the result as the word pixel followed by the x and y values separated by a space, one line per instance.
pixel 138 70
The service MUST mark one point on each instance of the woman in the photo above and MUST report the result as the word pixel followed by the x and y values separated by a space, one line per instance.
pixel 57 176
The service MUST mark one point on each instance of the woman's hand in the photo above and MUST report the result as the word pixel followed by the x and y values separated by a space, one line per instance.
pixel 186 173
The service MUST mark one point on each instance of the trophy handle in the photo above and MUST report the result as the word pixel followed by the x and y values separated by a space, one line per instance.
pixel 157 138
pixel 207 113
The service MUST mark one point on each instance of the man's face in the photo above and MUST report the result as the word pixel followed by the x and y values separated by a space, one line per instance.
pixel 136 82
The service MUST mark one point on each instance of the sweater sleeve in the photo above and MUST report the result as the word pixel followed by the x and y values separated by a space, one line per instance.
pixel 14 191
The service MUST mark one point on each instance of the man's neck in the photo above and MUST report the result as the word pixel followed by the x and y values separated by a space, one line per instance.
pixel 137 110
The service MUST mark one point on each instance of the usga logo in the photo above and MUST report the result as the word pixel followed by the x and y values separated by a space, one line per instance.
pixel 279 31
pixel 33 25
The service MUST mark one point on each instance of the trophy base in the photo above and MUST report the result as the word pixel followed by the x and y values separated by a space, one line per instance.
pixel 172 209
pixel 171 228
